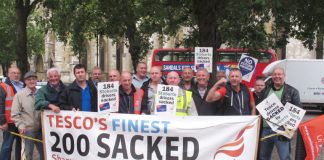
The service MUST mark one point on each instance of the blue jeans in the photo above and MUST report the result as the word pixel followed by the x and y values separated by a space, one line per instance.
pixel 266 146
pixel 29 145
pixel 8 140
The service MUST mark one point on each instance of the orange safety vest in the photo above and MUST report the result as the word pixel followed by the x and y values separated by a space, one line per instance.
pixel 8 102
pixel 138 95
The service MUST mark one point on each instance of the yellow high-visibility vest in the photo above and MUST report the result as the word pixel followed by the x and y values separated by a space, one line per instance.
pixel 183 103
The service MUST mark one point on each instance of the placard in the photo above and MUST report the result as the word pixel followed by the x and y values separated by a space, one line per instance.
pixel 108 96
pixel 272 110
pixel 204 58
pixel 247 66
pixel 166 100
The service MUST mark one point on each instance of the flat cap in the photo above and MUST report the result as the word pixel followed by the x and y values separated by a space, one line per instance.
pixel 30 74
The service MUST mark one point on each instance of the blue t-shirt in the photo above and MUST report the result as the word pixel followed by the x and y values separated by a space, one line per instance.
pixel 86 99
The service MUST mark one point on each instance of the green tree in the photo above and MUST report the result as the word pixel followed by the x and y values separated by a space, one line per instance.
pixel 78 21
pixel 10 37
pixel 7 35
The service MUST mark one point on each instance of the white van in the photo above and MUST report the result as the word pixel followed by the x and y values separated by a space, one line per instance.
pixel 307 76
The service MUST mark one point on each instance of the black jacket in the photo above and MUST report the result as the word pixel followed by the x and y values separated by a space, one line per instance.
pixel 72 97
pixel 257 98
pixel 2 106
pixel 205 108
pixel 236 103
pixel 192 81
pixel 289 94
pixel 145 96
pixel 126 101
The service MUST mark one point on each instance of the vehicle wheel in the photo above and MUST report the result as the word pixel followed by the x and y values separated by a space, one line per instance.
pixel 300 147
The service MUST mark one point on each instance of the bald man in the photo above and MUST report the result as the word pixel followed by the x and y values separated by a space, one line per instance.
pixel 130 98
pixel 149 87
pixel 185 104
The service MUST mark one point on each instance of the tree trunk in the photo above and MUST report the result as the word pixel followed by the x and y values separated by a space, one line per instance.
pixel 5 67
pixel 283 52
pixel 119 54
pixel 205 10
pixel 134 49
pixel 319 46
pixel 21 50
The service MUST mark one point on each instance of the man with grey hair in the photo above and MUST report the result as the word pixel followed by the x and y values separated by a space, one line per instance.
pixel 199 94
pixel 96 76
pixel 47 97
pixel 285 93
pixel 113 75
pixel 8 89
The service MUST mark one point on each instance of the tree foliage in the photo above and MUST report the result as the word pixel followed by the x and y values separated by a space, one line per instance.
pixel 235 23
pixel 8 36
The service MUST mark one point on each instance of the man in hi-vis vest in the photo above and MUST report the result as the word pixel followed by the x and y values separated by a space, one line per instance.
pixel 130 98
pixel 8 90
pixel 185 104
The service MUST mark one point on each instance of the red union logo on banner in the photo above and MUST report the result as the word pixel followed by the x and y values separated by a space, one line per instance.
pixel 239 141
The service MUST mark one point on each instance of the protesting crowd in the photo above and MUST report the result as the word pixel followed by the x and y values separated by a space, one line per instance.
pixel 21 103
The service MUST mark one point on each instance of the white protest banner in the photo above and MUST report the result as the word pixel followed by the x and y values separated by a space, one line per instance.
pixel 247 66
pixel 204 58
pixel 99 136
pixel 108 96
pixel 273 111
pixel 166 100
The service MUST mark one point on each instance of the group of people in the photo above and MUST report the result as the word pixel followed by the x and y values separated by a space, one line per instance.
pixel 21 102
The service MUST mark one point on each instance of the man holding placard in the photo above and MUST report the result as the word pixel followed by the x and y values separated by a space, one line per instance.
pixel 185 104
pixel 285 93
pixel 150 88
pixel 236 98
